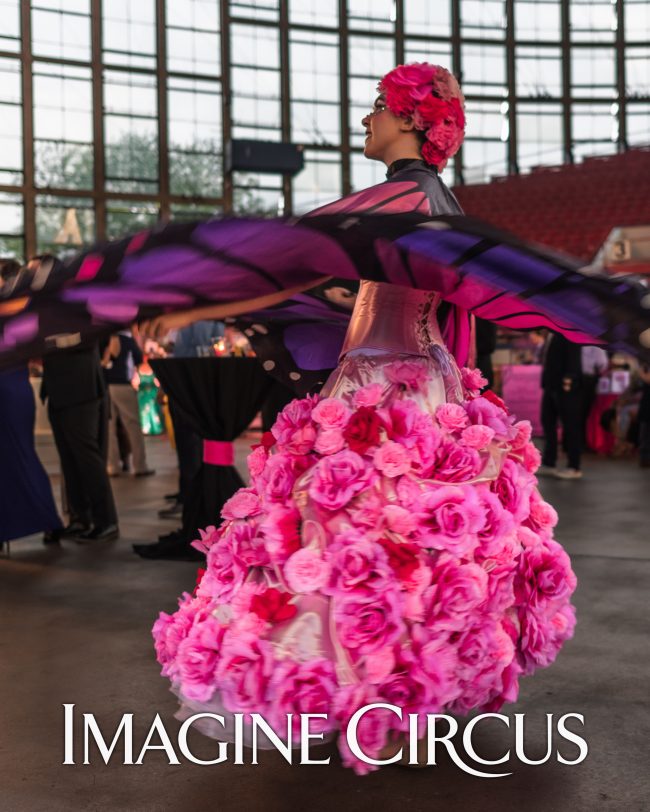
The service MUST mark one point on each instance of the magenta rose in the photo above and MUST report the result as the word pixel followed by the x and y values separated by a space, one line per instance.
pixel 473 380
pixel 451 417
pixel 513 486
pixel 542 637
pixel 392 459
pixel 294 429
pixel 455 593
pixel 439 661
pixel 331 413
pixel 256 461
pixel 280 475
pixel 481 411
pixel 456 463
pixel 225 573
pixel 523 435
pixel 484 651
pixel 542 516
pixel 498 523
pixel 358 565
pixel 449 518
pixel 366 623
pixel 302 687
pixel 532 459
pixel 280 530
pixel 501 567
pixel 544 578
pixel 243 673
pixel 169 631
pixel 338 478
pixel 197 660
pixel 329 442
pixel 306 571
pixel 208 537
pixel 243 504
pixel 248 543
pixel 478 437
pixel 408 687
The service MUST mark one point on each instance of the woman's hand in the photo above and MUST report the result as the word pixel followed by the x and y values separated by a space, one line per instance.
pixel 160 326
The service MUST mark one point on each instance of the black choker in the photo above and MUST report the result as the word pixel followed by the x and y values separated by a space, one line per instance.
pixel 396 166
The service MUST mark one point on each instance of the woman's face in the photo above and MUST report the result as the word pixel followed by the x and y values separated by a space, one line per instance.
pixel 384 131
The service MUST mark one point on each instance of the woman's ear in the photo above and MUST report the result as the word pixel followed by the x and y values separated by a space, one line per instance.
pixel 407 124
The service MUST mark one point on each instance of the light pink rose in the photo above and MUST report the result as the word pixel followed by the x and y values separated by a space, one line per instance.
pixel 368 395
pixel 532 459
pixel 392 459
pixel 256 461
pixel 372 731
pixel 483 412
pixel 197 660
pixel 449 518
pixel 329 442
pixel 379 664
pixel 473 379
pixel 523 435
pixel 169 631
pixel 513 486
pixel 455 593
pixel 366 509
pixel 225 572
pixel 542 516
pixel 498 523
pixel 451 417
pixel 208 537
pixel 302 687
pixel 243 504
pixel 358 565
pixel 338 478
pixel 542 637
pixel 331 413
pixel 408 492
pixel 243 672
pixel 478 436
pixel 456 463
pixel 399 520
pixel 544 579
pixel 368 623
pixel 294 429
pixel 306 571
pixel 412 375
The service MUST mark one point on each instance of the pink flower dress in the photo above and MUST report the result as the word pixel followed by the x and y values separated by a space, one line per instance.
pixel 392 546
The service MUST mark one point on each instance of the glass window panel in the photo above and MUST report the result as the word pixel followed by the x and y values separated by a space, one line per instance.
pixel 483 160
pixel 314 12
pixel 64 224
pixel 195 167
pixel 538 20
pixel 255 9
pixel 255 75
pixel 12 245
pixel 371 15
pixel 423 16
pixel 484 69
pixel 319 182
pixel 364 172
pixel 255 45
pixel 63 127
pixel 10 29
pixel 315 114
pixel 187 212
pixel 129 33
pixel 637 21
pixel 258 194
pixel 425 50
pixel 539 135
pixel 593 21
pixel 126 216
pixel 369 59
pixel 637 73
pixel 483 18
pixel 61 29
pixel 538 72
pixel 193 43
pixel 130 132
pixel 11 123
pixel 594 129
pixel 593 72
pixel 485 147
pixel 638 123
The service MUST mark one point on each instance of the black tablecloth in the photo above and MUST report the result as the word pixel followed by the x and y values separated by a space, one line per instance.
pixel 218 397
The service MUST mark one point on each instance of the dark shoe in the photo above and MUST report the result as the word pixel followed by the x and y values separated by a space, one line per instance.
pixel 147 472
pixel 172 497
pixel 74 529
pixel 169 550
pixel 52 537
pixel 172 512
pixel 108 533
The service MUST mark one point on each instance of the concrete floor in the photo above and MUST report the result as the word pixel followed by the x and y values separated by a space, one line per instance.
pixel 74 628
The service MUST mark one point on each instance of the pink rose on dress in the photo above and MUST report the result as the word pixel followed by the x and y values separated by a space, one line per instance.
pixel 338 478
pixel 280 475
pixel 256 461
pixel 501 567
pixel 399 520
pixel 542 637
pixel 225 573
pixel 294 429
pixel 498 523
pixel 451 417
pixel 473 380
pixel 408 687
pixel 456 463
pixel 392 459
pixel 484 651
pixel 280 530
pixel 513 486
pixel 358 565
pixel 412 375
pixel 439 662
pixel 243 504
pixel 331 413
pixel 208 537
pixel 455 593
pixel 379 664
pixel 414 588
pixel 542 516
pixel 483 412
pixel 478 436
pixel 544 579
pixel 449 518
pixel 523 435
pixel 368 623
pixel 306 571
pixel 366 509
pixel 243 672
pixel 373 728
pixel 532 459
pixel 368 395
pixel 329 442
pixel 169 631
pixel 302 687
pixel 408 424
pixel 197 660
pixel 408 492
pixel 248 543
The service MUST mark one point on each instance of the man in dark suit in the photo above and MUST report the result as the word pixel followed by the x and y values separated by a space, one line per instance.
pixel 562 401
pixel 77 403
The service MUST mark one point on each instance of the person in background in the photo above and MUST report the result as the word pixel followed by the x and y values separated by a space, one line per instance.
pixel 486 344
pixel 120 359
pixel 595 361
pixel 562 403
pixel 644 418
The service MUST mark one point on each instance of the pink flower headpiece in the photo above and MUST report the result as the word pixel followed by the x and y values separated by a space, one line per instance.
pixel 432 96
